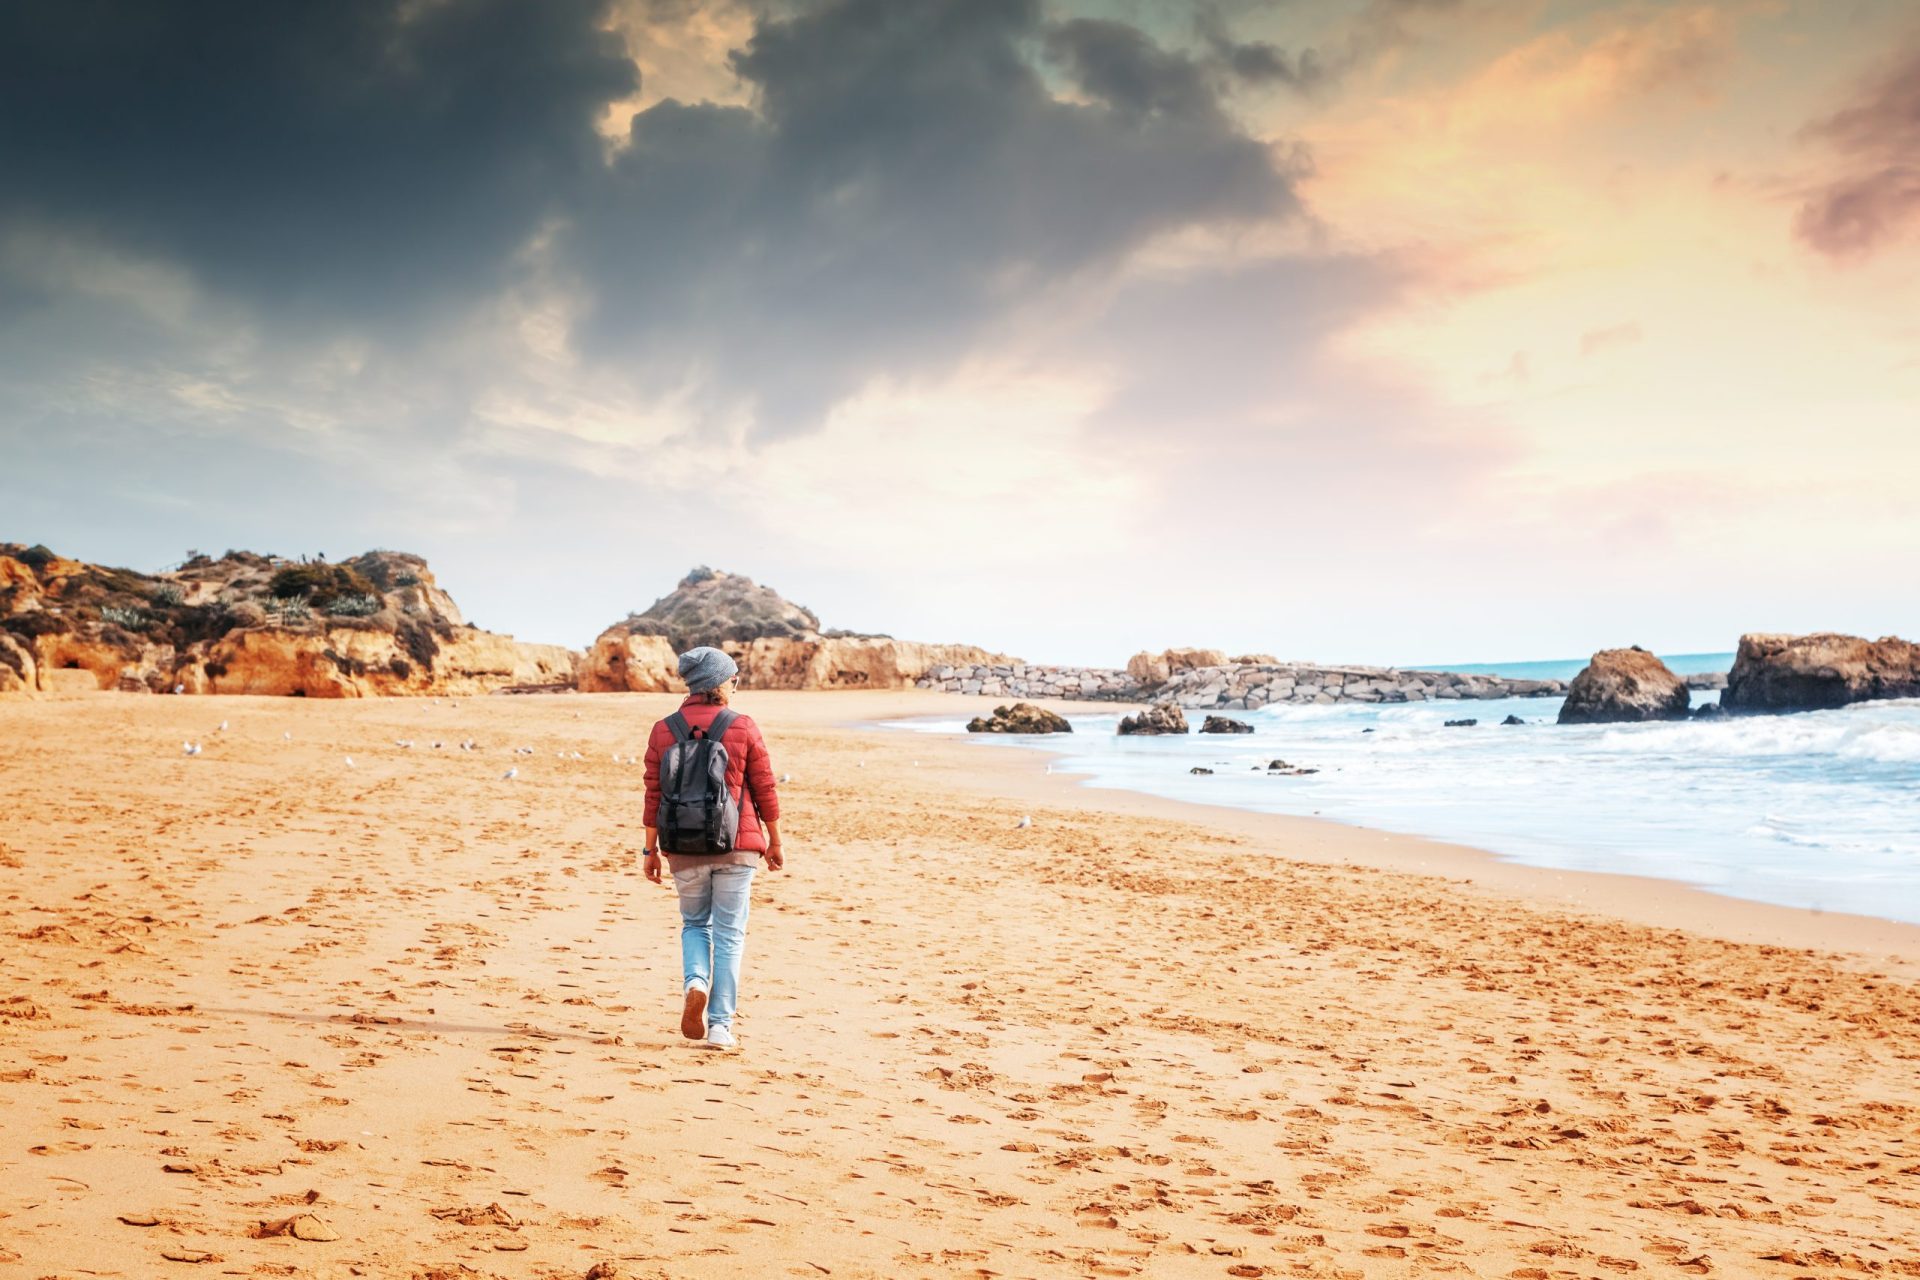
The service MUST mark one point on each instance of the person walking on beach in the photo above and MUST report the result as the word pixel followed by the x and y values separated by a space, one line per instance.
pixel 717 824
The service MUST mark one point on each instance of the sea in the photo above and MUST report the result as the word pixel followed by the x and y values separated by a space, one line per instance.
pixel 1817 810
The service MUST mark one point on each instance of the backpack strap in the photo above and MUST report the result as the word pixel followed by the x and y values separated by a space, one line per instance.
pixel 682 731
pixel 721 723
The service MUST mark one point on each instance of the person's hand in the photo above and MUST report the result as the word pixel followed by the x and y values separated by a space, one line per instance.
pixel 652 866
pixel 775 859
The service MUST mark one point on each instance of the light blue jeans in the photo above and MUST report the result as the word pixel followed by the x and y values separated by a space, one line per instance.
pixel 713 932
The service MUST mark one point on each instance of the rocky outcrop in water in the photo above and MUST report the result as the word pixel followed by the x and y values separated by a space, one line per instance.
pixel 1021 717
pixel 1225 724
pixel 1622 685
pixel 1161 717
pixel 1823 670
pixel 245 623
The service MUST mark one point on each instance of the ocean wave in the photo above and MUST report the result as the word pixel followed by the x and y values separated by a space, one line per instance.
pixel 1830 734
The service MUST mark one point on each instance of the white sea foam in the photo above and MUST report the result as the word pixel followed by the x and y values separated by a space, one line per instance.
pixel 1814 810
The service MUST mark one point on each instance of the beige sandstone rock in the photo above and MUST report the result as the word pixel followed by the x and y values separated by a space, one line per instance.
pixel 19 672
pixel 621 662
pixel 351 663
pixel 1158 668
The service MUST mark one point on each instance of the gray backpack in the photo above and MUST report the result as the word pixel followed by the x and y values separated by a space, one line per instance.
pixel 698 813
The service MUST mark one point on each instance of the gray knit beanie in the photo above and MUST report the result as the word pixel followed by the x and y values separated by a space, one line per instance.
pixel 706 668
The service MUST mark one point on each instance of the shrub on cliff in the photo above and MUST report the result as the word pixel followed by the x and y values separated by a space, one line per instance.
pixel 319 584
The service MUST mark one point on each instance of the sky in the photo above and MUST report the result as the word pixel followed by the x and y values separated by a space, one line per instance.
pixel 1358 330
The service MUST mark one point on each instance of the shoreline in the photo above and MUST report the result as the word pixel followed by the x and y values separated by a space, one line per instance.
pixel 1645 900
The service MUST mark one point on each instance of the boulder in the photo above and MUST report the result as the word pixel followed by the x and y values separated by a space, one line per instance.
pixel 1709 711
pixel 1021 717
pixel 1161 717
pixel 1201 769
pixel 1623 685
pixel 1812 672
pixel 624 662
pixel 1158 668
pixel 1462 724
pixel 1513 720
pixel 1281 769
pixel 1225 724
pixel 1254 660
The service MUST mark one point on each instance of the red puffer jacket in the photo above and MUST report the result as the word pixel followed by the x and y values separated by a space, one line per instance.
pixel 749 770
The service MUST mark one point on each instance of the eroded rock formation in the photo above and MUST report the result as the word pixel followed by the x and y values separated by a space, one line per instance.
pixel 1224 724
pixel 1812 672
pixel 244 623
pixel 1619 685
pixel 777 644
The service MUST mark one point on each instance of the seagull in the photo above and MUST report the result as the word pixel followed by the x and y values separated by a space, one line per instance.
pixel 287 736
pixel 190 748
pixel 436 746
pixel 577 756
pixel 402 743
pixel 179 688
pixel 1049 768
pixel 223 726
pixel 1026 820
pixel 786 777
pixel 349 762
pixel 510 774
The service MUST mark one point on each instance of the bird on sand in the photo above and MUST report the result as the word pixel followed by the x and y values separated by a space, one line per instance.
pixel 1026 820
pixel 786 777
pixel 349 762
pixel 510 774
pixel 190 748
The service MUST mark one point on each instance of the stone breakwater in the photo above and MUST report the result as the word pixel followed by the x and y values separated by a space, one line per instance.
pixel 1244 686
pixel 1027 680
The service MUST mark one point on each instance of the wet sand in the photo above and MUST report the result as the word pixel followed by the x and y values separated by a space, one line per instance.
pixel 266 1013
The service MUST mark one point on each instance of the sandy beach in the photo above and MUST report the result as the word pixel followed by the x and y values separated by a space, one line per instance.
pixel 263 1012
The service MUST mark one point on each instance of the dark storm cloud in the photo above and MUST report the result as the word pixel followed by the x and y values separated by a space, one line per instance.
pixel 905 178
pixel 905 174
pixel 1877 198
pixel 1261 62
pixel 343 158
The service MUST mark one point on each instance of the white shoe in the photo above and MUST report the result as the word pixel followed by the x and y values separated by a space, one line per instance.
pixel 720 1036
pixel 693 1014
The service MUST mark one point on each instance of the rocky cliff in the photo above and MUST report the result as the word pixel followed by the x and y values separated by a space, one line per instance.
pixel 1812 672
pixel 245 623
pixel 778 644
